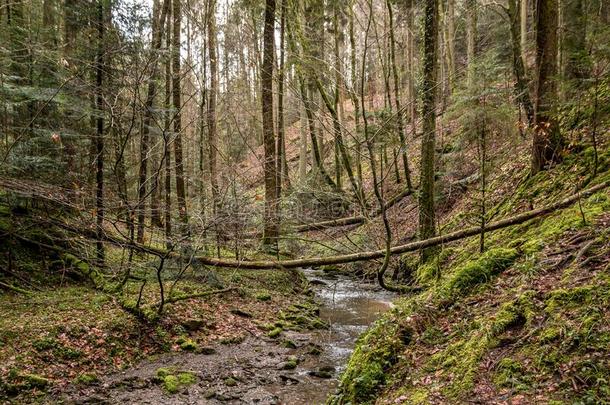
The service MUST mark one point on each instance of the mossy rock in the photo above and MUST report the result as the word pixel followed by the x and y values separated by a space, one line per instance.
pixel 275 332
pixel 263 296
pixel 87 379
pixel 189 345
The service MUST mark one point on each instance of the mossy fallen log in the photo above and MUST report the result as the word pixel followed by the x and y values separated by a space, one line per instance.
pixel 377 254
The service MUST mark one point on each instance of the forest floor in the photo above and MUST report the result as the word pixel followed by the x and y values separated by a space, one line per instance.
pixel 67 338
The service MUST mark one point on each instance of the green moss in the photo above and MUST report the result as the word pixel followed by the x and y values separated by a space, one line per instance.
pixel 376 351
pixel 275 332
pixel 35 380
pixel 263 296
pixel 481 270
pixel 164 372
pixel 510 374
pixel 549 335
pixel 513 313
pixel 171 384
pixel 187 378
pixel 562 298
pixel 189 345
pixel 87 379
pixel 173 380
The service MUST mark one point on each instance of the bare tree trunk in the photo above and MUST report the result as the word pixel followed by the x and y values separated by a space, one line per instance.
pixel 523 26
pixel 99 135
pixel 397 87
pixel 282 165
pixel 270 231
pixel 159 16
pixel 166 139
pixel 355 102
pixel 471 38
pixel 176 97
pixel 548 142
pixel 303 143
pixel 212 133
pixel 521 87
pixel 427 217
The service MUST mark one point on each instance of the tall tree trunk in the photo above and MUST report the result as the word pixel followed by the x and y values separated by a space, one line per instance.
pixel 471 39
pixel 355 102
pixel 166 139
pixel 411 66
pixel 159 15
pixel 270 231
pixel 397 87
pixel 577 64
pixel 176 98
pixel 282 165
pixel 521 88
pixel 427 218
pixel 450 42
pixel 302 143
pixel 212 135
pixel 523 8
pixel 99 134
pixel 548 142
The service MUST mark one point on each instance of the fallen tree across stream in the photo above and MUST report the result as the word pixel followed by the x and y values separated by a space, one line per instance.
pixel 376 254
pixel 356 220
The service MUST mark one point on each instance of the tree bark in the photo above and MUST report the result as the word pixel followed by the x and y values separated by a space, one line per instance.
pixel 427 218
pixel 99 135
pixel 548 143
pixel 159 16
pixel 270 231
pixel 176 98
pixel 521 88
pixel 397 87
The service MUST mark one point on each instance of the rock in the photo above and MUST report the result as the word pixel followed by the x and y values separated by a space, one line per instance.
pixel 263 297
pixel 288 379
pixel 315 350
pixel 193 325
pixel 320 374
pixel 230 382
pixel 315 281
pixel 207 350
pixel 188 345
pixel 289 344
pixel 239 312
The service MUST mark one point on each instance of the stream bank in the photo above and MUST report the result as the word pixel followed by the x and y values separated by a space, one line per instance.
pixel 293 368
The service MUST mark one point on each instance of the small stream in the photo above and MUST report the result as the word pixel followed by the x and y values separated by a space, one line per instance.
pixel 257 365
pixel 350 306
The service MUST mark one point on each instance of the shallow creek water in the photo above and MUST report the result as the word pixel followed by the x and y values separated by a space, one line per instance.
pixel 350 306
pixel 257 364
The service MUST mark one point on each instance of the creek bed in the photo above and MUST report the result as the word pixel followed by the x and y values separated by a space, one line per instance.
pixel 350 306
pixel 256 366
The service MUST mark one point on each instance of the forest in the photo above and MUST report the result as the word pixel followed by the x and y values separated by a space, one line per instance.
pixel 305 202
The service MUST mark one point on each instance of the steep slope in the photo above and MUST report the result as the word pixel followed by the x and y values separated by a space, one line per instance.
pixel 524 322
